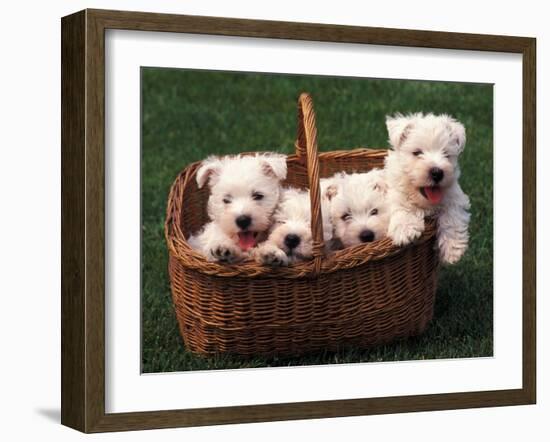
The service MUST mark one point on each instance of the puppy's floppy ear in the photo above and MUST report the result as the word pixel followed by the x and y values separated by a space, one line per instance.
pixel 379 177
pixel 381 186
pixel 274 166
pixel 399 127
pixel 209 171
pixel 331 191
pixel 458 133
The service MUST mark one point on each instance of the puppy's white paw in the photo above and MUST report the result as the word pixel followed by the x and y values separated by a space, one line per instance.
pixel 226 252
pixel 450 251
pixel 271 255
pixel 405 232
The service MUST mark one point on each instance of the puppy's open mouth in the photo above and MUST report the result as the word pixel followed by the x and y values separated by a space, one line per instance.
pixel 433 194
pixel 247 240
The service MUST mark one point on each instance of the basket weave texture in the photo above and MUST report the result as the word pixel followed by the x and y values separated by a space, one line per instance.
pixel 363 296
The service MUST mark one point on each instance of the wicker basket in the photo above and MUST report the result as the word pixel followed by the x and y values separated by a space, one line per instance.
pixel 362 296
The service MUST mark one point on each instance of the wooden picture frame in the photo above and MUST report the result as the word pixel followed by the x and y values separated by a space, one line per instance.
pixel 83 220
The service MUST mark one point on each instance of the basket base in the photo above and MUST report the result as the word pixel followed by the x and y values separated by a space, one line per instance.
pixel 207 341
pixel 371 304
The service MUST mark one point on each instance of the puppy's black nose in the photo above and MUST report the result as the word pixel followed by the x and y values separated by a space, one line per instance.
pixel 243 221
pixel 437 174
pixel 292 241
pixel 366 235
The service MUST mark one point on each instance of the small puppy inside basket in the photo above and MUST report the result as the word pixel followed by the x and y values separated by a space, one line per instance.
pixel 244 193
pixel 358 206
pixel 290 239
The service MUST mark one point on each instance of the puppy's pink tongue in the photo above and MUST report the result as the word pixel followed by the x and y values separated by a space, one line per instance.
pixel 434 194
pixel 246 240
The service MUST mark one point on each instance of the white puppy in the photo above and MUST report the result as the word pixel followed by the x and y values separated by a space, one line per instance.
pixel 290 239
pixel 422 173
pixel 359 209
pixel 244 192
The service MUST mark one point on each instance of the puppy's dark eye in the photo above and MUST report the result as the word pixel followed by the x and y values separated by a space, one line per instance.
pixel 446 154
pixel 257 196
pixel 227 200
pixel 346 216
pixel 417 152
pixel 374 212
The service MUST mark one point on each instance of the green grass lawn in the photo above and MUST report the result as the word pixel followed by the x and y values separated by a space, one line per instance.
pixel 187 115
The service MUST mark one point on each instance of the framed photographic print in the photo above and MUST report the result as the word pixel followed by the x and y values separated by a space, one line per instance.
pixel 268 221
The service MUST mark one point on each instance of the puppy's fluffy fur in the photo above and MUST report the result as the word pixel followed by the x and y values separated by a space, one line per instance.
pixel 290 239
pixel 422 173
pixel 359 209
pixel 244 192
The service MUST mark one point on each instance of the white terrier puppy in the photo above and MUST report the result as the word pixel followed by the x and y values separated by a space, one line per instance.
pixel 422 172
pixel 290 239
pixel 244 192
pixel 359 208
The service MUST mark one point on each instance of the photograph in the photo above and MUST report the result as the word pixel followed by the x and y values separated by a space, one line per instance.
pixel 301 220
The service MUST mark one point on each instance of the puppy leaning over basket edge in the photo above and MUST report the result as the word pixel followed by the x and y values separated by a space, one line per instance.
pixel 422 173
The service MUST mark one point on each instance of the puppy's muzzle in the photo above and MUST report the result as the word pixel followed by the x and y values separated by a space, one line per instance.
pixel 366 235
pixel 243 221
pixel 292 241
pixel 436 174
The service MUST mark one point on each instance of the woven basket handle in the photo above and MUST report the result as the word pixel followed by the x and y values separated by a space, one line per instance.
pixel 308 153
